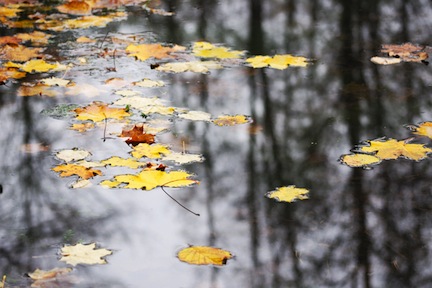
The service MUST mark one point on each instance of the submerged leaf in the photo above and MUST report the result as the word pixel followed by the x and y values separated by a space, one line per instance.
pixel 48 274
pixel 183 158
pixel 288 194
pixel 204 255
pixel 194 66
pixel 84 254
pixel 70 155
pixel 231 120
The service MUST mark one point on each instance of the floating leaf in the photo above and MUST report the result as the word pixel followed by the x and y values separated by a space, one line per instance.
pixel 194 66
pixel 9 12
pixel 37 38
pixel 36 90
pixel 54 81
pixel 278 61
pixel 149 83
pixel 204 255
pixel 137 135
pixel 81 22
pixel 48 274
pixel 423 129
pixel 231 120
pixel 150 151
pixel 82 127
pixel 70 155
pixel 84 254
pixel 7 73
pixel 37 65
pixel 393 149
pixel 72 169
pixel 75 8
pixel 150 179
pixel 406 52
pixel 145 51
pixel 118 161
pixel 19 53
pixel 196 116
pixel 385 60
pixel 183 158
pixel 208 50
pixel 99 111
pixel 288 194
pixel 359 160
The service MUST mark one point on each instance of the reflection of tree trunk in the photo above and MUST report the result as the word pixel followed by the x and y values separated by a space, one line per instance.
pixel 352 79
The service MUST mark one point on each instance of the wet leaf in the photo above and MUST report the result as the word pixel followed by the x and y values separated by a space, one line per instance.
pixel 37 38
pixel 231 120
pixel 145 51
pixel 54 81
pixel 204 255
pixel 278 61
pixel 37 65
pixel 99 111
pixel 423 129
pixel 137 135
pixel 67 170
pixel 8 73
pixel 288 194
pixel 19 53
pixel 84 39
pixel 60 111
pixel 36 90
pixel 75 8
pixel 146 105
pixel 194 66
pixel 118 161
pixel 385 60
pixel 407 52
pixel 84 254
pixel 208 50
pixel 183 158
pixel 393 149
pixel 149 83
pixel 82 127
pixel 150 151
pixel 70 155
pixel 9 12
pixel 81 22
pixel 359 160
pixel 150 179
pixel 196 116
pixel 48 274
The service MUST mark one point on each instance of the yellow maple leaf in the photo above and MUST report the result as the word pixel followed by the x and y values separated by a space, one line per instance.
pixel 208 50
pixel 150 179
pixel 37 38
pixel 98 111
pixel 19 53
pixel 118 161
pixel 84 254
pixel 72 169
pixel 150 151
pixel 393 149
pixel 423 129
pixel 359 160
pixel 204 255
pixel 278 61
pixel 230 120
pixel 288 194
pixel 9 12
pixel 37 65
pixel 145 51
pixel 193 66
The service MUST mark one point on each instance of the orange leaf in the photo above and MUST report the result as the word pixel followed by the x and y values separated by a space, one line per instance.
pixel 145 51
pixel 137 135
pixel 19 53
pixel 99 111
pixel 75 8
pixel 203 255
pixel 72 169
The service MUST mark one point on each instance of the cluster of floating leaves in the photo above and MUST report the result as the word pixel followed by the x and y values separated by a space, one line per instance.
pixel 24 53
pixel 407 52
pixel 373 152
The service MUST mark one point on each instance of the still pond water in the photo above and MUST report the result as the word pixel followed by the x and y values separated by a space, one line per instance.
pixel 360 228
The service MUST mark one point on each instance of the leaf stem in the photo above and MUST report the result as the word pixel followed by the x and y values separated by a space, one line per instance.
pixel 184 207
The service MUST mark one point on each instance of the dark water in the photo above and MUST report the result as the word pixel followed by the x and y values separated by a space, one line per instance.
pixel 360 228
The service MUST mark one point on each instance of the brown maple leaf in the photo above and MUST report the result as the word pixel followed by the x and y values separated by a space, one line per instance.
pixel 137 135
